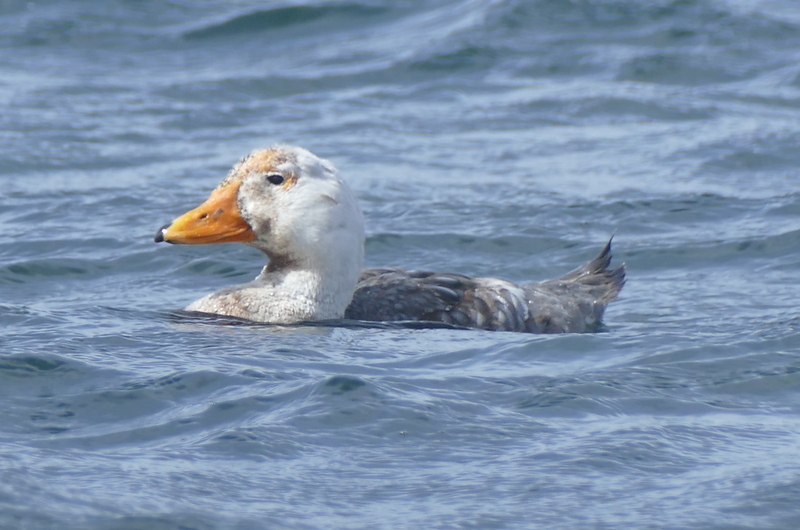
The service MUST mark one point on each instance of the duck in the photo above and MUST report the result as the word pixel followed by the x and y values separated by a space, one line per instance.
pixel 295 208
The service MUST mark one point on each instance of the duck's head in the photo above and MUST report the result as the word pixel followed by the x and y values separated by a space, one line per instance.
pixel 284 201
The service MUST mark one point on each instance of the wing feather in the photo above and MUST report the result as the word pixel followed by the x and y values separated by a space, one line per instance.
pixel 573 302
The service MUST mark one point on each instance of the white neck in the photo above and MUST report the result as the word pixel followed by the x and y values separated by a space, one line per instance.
pixel 295 292
pixel 287 293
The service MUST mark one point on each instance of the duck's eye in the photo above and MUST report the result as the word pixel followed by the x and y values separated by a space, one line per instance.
pixel 275 179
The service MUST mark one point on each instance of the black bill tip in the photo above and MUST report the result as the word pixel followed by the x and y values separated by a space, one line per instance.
pixel 160 234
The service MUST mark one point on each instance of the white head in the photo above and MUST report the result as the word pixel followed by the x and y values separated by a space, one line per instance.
pixel 289 204
pixel 302 213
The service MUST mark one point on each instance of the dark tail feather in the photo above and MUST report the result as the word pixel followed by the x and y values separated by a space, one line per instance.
pixel 596 274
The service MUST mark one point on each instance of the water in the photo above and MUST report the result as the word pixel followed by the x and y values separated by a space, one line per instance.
pixel 506 138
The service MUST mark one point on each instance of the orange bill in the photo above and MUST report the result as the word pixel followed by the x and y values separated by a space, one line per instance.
pixel 217 220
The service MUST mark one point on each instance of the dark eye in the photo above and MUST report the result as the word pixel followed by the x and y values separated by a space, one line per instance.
pixel 275 179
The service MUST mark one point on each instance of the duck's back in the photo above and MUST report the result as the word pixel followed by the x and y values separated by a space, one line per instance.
pixel 574 302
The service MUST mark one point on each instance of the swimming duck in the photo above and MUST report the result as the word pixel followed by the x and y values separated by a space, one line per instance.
pixel 296 209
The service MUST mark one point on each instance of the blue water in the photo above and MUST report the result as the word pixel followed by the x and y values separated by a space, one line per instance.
pixel 507 138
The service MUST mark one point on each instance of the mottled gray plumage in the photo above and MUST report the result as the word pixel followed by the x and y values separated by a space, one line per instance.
pixel 572 303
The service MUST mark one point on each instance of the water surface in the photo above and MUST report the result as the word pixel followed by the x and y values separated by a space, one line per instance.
pixel 507 138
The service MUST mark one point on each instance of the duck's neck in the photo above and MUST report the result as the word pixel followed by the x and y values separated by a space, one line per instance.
pixel 286 292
